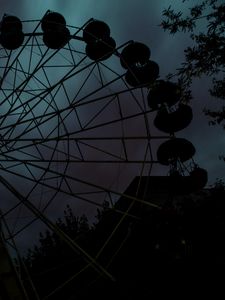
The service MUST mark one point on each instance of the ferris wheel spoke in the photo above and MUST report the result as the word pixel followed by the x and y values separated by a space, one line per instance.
pixel 29 110
pixel 115 121
pixel 21 135
pixel 88 184
pixel 41 181
pixel 105 144
pixel 75 130
pixel 71 243
pixel 50 115
pixel 121 220
pixel 22 86
pixel 70 136
pixel 45 92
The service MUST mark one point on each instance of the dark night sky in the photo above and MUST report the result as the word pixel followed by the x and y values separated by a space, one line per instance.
pixel 139 20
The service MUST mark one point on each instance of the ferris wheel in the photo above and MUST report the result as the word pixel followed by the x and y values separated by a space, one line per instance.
pixel 76 122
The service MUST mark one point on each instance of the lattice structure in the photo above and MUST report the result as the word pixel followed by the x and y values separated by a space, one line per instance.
pixel 75 121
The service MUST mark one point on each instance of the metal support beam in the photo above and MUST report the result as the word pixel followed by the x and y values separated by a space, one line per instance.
pixel 63 236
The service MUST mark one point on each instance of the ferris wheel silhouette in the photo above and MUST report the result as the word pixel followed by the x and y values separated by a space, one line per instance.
pixel 76 122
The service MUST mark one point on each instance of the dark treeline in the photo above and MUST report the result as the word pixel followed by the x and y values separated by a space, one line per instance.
pixel 177 250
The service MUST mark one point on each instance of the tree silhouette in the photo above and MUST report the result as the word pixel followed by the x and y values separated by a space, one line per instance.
pixel 205 24
pixel 158 253
pixel 52 262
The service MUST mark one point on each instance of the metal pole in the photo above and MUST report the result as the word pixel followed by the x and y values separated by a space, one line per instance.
pixel 64 237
